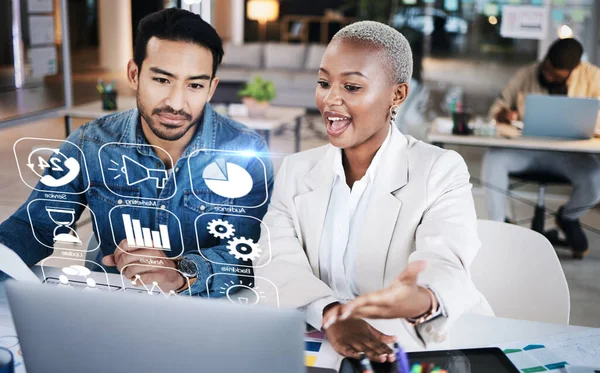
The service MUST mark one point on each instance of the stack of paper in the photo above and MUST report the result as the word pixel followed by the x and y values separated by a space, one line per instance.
pixel 319 353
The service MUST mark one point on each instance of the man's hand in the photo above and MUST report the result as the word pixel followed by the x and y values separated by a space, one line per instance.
pixel 351 337
pixel 150 265
pixel 506 116
pixel 402 299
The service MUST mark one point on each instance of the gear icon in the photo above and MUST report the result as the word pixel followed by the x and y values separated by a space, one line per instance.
pixel 220 229
pixel 244 248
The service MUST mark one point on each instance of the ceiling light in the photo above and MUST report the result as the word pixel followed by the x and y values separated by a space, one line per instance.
pixel 565 32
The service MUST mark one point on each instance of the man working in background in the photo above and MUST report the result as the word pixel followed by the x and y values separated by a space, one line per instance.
pixel 561 73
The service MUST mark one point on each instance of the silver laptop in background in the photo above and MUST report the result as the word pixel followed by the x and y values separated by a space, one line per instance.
pixel 74 331
pixel 560 117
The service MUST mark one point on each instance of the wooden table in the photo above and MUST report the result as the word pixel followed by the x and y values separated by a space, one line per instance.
pixel 93 110
pixel 275 118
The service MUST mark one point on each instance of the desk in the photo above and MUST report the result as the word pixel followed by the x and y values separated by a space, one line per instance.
pixel 472 331
pixel 276 117
pixel 529 143
pixel 469 331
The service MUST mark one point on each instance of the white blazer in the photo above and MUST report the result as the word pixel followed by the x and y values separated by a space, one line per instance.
pixel 421 208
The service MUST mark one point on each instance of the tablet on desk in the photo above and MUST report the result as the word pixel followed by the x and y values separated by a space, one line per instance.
pixel 479 360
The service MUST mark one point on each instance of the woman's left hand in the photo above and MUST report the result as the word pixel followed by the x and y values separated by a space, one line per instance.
pixel 402 299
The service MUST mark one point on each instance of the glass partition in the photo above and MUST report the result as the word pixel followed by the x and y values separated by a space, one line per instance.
pixel 31 76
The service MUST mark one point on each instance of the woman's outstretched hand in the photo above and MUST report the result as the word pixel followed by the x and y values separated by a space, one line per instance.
pixel 402 299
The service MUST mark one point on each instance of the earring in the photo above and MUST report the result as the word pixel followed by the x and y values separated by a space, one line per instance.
pixel 393 113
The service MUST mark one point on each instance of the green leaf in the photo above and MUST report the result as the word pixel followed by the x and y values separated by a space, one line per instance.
pixel 259 89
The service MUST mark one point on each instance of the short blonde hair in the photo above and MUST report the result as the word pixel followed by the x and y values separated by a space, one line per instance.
pixel 392 42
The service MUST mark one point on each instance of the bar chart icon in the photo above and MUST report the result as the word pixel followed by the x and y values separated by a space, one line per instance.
pixel 138 236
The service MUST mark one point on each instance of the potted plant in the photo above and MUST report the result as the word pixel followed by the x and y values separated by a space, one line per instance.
pixel 257 95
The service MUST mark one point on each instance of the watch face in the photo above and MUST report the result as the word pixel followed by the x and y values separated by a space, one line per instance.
pixel 188 267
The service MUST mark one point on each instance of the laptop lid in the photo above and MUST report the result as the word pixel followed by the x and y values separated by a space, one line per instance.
pixel 67 330
pixel 560 117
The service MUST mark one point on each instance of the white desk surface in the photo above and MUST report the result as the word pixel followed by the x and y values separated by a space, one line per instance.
pixel 276 116
pixel 531 143
pixel 472 331
pixel 469 331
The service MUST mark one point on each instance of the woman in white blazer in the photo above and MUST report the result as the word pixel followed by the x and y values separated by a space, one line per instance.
pixel 373 210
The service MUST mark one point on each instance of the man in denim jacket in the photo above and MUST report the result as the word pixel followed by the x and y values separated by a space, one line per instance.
pixel 163 166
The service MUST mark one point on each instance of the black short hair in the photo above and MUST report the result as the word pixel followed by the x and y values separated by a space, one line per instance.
pixel 177 25
pixel 565 54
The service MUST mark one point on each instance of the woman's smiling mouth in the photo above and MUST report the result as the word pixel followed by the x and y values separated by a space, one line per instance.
pixel 336 123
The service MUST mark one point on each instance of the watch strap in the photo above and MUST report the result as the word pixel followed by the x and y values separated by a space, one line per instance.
pixel 432 313
pixel 187 284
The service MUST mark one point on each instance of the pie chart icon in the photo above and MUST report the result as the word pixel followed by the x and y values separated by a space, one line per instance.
pixel 227 179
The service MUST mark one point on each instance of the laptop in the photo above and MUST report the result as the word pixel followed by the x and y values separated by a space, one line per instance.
pixel 72 331
pixel 560 117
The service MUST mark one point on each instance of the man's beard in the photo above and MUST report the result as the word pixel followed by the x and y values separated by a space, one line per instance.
pixel 164 131
pixel 553 88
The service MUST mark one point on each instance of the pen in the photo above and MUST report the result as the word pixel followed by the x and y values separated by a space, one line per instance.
pixel 365 363
pixel 401 359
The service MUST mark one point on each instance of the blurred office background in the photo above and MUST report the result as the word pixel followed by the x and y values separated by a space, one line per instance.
pixel 460 53
pixel 458 42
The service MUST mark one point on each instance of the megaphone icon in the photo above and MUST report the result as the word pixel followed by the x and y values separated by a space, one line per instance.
pixel 136 173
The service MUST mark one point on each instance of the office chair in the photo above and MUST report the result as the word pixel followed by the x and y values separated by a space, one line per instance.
pixel 518 272
pixel 543 179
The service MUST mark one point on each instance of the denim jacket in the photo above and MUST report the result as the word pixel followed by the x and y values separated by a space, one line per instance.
pixel 215 193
